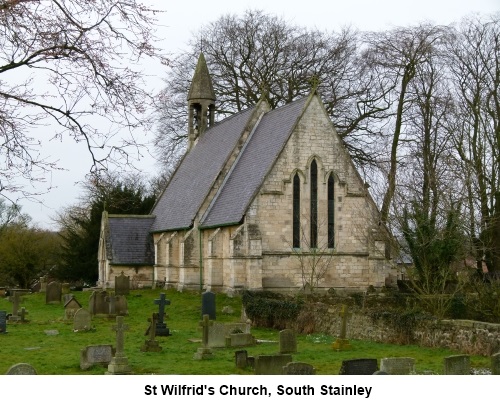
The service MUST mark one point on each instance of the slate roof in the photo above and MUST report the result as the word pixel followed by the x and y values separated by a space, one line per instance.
pixel 129 239
pixel 254 162
pixel 193 179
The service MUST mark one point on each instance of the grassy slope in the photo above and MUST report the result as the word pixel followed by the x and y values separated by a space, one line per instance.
pixel 60 354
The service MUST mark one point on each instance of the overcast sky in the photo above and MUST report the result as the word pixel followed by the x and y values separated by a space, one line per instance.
pixel 183 18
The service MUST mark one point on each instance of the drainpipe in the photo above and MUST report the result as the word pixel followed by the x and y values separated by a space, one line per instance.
pixel 201 258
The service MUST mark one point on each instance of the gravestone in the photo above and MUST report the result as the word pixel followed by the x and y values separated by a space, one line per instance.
pixel 65 288
pixel 43 284
pixel 219 331
pixel 21 369
pixel 151 345
pixel 161 326
pixel 241 358
pixel 111 300
pixel 457 365
pixel 82 321
pixel 240 340
pixel 299 368
pixel 70 308
pixel 98 304
pixel 122 284
pixel 22 315
pixel 119 362
pixel 358 367
pixel 398 365
pixel 15 298
pixel 53 293
pixel 208 305
pixel 121 305
pixel 288 341
pixel 271 364
pixel 3 321
pixel 100 355
pixel 342 343
pixel 204 352
pixel 495 364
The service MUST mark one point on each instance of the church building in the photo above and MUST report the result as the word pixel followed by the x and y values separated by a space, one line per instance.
pixel 264 199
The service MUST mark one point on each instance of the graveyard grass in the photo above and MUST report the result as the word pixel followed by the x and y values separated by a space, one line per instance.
pixel 60 354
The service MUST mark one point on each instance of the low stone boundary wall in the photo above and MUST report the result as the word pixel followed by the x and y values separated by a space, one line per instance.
pixel 468 337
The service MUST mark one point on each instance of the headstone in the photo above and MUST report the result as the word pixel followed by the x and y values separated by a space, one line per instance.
pixel 342 343
pixel 495 364
pixel 98 304
pixel 65 288
pixel 3 321
pixel 271 364
pixel 15 298
pixel 70 308
pixel 22 314
pixel 241 358
pixel 82 321
pixel 95 355
pixel 21 369
pixel 204 352
pixel 53 293
pixel 240 340
pixel 219 331
pixel 398 365
pixel 161 325
pixel 358 367
pixel 151 345
pixel 121 305
pixel 208 305
pixel 122 284
pixel 288 341
pixel 299 368
pixel 43 284
pixel 119 363
pixel 457 365
pixel 111 300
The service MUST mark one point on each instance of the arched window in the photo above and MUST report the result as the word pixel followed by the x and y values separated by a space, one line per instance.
pixel 314 205
pixel 296 211
pixel 331 212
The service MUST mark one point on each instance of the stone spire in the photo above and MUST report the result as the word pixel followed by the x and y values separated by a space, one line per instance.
pixel 201 102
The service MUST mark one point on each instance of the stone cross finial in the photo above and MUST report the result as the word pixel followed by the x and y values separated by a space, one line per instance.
pixel 120 329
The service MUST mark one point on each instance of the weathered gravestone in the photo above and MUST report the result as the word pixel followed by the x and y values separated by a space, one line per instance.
pixel 122 284
pixel 398 365
pixel 271 364
pixel 53 293
pixel 21 369
pixel 70 307
pixel 98 304
pixel 65 289
pixel 288 341
pixel 3 321
pixel 358 367
pixel 495 364
pixel 342 343
pixel 208 305
pixel 121 305
pixel 15 298
pixel 204 352
pixel 100 355
pixel 43 284
pixel 241 358
pixel 218 332
pixel 299 368
pixel 151 345
pixel 240 339
pixel 161 326
pixel 111 300
pixel 457 365
pixel 119 362
pixel 82 321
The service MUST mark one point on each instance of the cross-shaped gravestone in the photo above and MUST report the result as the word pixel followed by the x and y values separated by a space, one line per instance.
pixel 152 329
pixel 22 314
pixel 152 345
pixel 204 352
pixel 161 326
pixel 342 342
pixel 120 329
pixel 15 299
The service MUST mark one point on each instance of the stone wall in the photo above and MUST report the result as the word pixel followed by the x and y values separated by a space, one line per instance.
pixel 464 336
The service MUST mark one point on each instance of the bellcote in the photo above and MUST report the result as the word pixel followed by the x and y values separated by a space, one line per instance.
pixel 201 102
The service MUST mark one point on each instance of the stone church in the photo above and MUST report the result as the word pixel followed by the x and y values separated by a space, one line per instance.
pixel 264 199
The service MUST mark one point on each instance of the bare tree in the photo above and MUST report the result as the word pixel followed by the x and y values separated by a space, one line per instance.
pixel 73 65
